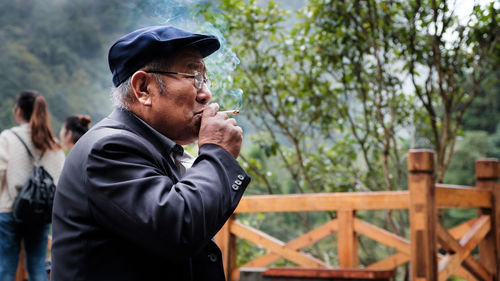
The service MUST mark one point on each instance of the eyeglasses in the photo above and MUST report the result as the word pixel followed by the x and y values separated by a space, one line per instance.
pixel 199 79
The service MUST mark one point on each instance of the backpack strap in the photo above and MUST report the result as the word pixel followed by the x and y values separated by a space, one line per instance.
pixel 27 148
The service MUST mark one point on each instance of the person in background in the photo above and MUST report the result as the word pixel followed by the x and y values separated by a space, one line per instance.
pixel 131 204
pixel 32 117
pixel 73 128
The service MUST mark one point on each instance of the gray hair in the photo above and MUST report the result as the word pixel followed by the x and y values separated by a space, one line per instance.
pixel 122 96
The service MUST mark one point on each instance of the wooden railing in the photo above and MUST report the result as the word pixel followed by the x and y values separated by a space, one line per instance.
pixel 427 235
pixel 422 200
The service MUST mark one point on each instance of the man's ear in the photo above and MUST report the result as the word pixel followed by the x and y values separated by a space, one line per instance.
pixel 139 84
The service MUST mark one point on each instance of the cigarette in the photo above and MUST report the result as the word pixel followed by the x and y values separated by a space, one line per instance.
pixel 234 111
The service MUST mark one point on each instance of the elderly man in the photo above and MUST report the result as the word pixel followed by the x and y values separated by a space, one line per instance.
pixel 130 203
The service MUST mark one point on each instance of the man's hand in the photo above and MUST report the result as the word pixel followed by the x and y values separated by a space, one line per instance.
pixel 218 128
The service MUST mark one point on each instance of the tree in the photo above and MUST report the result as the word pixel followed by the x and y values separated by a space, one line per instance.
pixel 332 97
pixel 289 106
pixel 60 48
pixel 484 112
pixel 447 73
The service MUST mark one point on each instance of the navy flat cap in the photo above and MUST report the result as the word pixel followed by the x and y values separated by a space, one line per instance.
pixel 134 50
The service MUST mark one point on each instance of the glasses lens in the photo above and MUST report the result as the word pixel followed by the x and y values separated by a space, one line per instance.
pixel 199 80
pixel 208 82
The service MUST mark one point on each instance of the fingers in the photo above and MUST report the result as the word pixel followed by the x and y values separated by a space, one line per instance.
pixel 211 110
pixel 221 130
pixel 224 114
pixel 232 121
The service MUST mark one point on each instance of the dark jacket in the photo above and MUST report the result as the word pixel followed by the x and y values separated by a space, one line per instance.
pixel 122 212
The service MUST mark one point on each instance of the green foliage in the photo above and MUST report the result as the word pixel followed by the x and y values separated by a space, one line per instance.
pixel 462 166
pixel 286 101
pixel 60 49
pixel 57 49
pixel 340 90
pixel 331 92
pixel 484 113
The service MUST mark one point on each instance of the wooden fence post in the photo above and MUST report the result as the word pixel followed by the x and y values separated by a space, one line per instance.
pixel 422 209
pixel 347 242
pixel 222 240
pixel 487 174
pixel 227 244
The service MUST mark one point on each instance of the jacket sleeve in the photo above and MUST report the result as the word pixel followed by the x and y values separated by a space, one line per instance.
pixel 131 194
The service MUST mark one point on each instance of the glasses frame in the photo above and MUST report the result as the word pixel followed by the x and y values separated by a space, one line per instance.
pixel 198 77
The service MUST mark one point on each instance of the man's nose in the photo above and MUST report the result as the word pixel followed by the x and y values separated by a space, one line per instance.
pixel 204 95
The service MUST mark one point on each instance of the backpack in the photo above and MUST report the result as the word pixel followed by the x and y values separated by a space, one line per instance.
pixel 33 204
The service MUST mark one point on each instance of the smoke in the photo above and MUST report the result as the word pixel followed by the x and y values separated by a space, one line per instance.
pixel 221 64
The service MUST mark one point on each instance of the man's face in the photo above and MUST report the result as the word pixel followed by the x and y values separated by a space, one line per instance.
pixel 176 113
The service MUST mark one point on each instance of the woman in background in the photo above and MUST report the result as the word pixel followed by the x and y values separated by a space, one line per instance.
pixel 32 117
pixel 73 128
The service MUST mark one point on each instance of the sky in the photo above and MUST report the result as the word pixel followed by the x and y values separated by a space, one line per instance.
pixel 463 8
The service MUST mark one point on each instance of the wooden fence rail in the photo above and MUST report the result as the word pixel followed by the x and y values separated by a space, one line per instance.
pixel 427 235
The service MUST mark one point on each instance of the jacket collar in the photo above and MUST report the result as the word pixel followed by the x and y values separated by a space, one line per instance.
pixel 135 124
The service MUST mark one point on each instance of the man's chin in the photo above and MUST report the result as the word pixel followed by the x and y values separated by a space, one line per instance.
pixel 195 131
